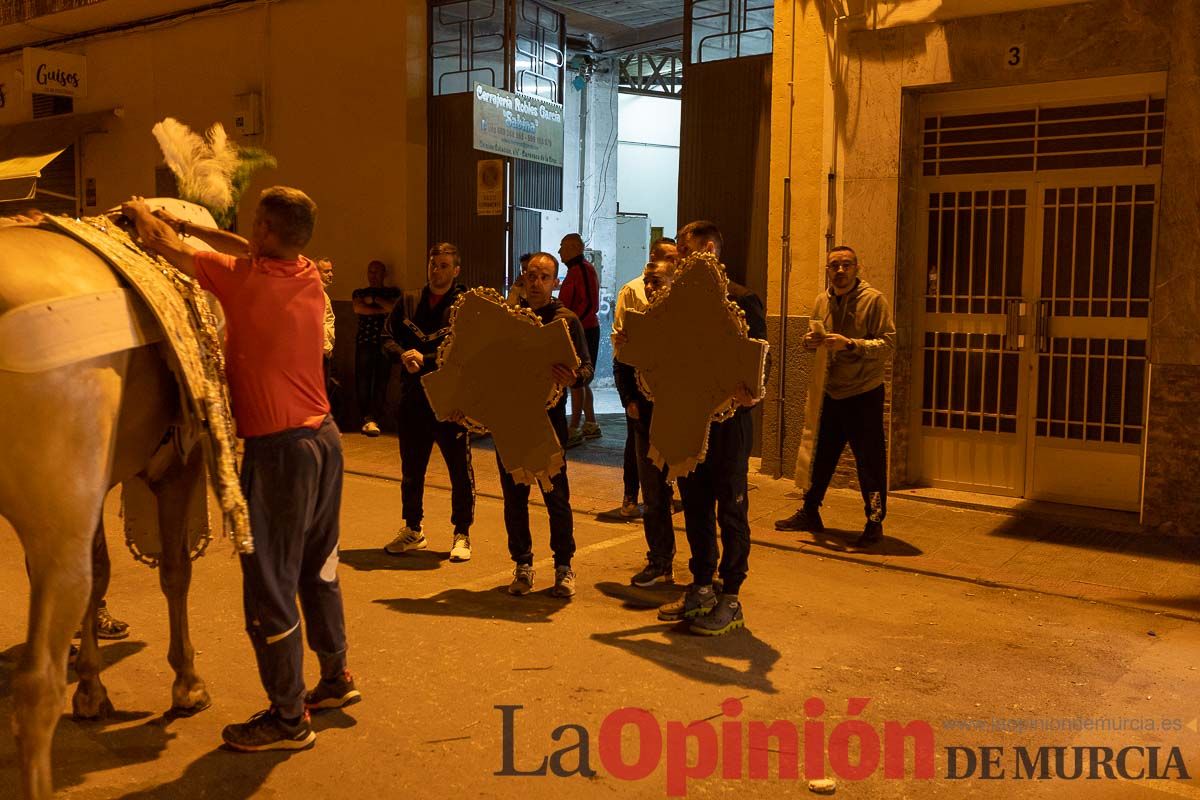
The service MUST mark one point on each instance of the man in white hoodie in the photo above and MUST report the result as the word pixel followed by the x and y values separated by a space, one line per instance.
pixel 858 332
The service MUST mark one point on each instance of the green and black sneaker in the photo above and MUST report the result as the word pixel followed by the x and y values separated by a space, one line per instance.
pixel 726 616
pixel 696 601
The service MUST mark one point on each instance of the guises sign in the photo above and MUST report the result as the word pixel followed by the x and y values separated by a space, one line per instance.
pixel 55 72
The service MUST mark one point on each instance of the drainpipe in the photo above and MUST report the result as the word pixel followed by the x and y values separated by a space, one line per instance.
pixel 583 121
pixel 785 244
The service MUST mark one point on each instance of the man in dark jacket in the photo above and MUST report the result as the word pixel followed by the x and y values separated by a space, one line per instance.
pixel 656 519
pixel 720 482
pixel 411 336
pixel 541 278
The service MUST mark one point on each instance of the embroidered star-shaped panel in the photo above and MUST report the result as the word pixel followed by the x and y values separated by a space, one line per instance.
pixel 691 350
pixel 495 367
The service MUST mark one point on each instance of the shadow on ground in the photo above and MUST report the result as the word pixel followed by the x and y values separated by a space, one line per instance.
pixel 1187 604
pixel 637 598
pixel 373 559
pixel 1166 548
pixel 694 657
pixel 219 773
pixel 110 654
pixel 837 541
pixel 484 604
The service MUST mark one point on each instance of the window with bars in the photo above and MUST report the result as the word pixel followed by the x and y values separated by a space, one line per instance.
pixel 1068 137
pixel 1097 250
pixel 540 59
pixel 1092 390
pixel 970 383
pixel 466 44
pixel 723 29
pixel 651 74
pixel 976 250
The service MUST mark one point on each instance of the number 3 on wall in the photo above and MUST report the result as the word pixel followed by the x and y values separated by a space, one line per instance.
pixel 1014 56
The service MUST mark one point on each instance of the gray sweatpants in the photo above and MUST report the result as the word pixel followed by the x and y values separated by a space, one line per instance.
pixel 293 485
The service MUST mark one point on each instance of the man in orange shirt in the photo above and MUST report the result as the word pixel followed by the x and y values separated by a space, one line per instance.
pixel 292 469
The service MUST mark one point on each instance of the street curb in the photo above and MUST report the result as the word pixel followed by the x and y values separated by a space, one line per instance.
pixel 990 584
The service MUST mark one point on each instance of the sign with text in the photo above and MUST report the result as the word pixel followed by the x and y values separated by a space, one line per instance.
pixel 518 125
pixel 489 187
pixel 55 72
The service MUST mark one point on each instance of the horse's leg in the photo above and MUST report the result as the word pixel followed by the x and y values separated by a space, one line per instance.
pixel 59 556
pixel 91 698
pixel 180 495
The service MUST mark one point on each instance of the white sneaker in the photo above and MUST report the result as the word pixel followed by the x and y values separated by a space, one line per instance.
pixel 461 551
pixel 407 539
pixel 371 428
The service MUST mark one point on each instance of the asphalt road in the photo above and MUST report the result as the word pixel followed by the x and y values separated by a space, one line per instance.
pixel 436 647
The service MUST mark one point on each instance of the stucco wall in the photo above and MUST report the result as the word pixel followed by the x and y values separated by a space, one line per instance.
pixel 874 72
pixel 343 112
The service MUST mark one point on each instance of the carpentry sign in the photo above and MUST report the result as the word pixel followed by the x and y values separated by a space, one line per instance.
pixel 518 125
pixel 54 72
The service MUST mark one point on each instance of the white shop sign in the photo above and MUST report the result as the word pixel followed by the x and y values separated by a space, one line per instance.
pixel 55 72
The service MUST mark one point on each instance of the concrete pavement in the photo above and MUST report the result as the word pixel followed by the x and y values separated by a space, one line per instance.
pixel 1061 551
pixel 437 647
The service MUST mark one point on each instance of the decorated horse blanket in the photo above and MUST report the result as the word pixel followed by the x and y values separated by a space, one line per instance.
pixel 193 350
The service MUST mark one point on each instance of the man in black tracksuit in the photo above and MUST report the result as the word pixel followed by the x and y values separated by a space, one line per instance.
pixel 656 519
pixel 541 276
pixel 715 492
pixel 411 336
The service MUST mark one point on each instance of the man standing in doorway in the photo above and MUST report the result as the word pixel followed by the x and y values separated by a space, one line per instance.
pixel 372 304
pixel 541 276
pixel 634 297
pixel 292 468
pixel 414 331
pixel 580 293
pixel 719 482
pixel 660 531
pixel 858 333
pixel 332 387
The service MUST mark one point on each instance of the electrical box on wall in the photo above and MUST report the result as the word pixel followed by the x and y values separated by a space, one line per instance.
pixel 247 114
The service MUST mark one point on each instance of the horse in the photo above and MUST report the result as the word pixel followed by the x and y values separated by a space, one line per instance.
pixel 71 433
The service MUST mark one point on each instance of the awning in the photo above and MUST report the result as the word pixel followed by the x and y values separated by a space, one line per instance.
pixel 18 176
pixel 26 148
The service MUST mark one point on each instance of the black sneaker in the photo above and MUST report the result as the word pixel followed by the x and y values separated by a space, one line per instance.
pixel 652 574
pixel 726 616
pixel 696 601
pixel 266 730
pixel 333 693
pixel 108 626
pixel 806 519
pixel 871 535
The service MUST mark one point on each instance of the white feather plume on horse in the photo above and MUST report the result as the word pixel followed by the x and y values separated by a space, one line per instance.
pixel 210 170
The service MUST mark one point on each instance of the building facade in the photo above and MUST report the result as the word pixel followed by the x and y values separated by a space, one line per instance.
pixel 1023 187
